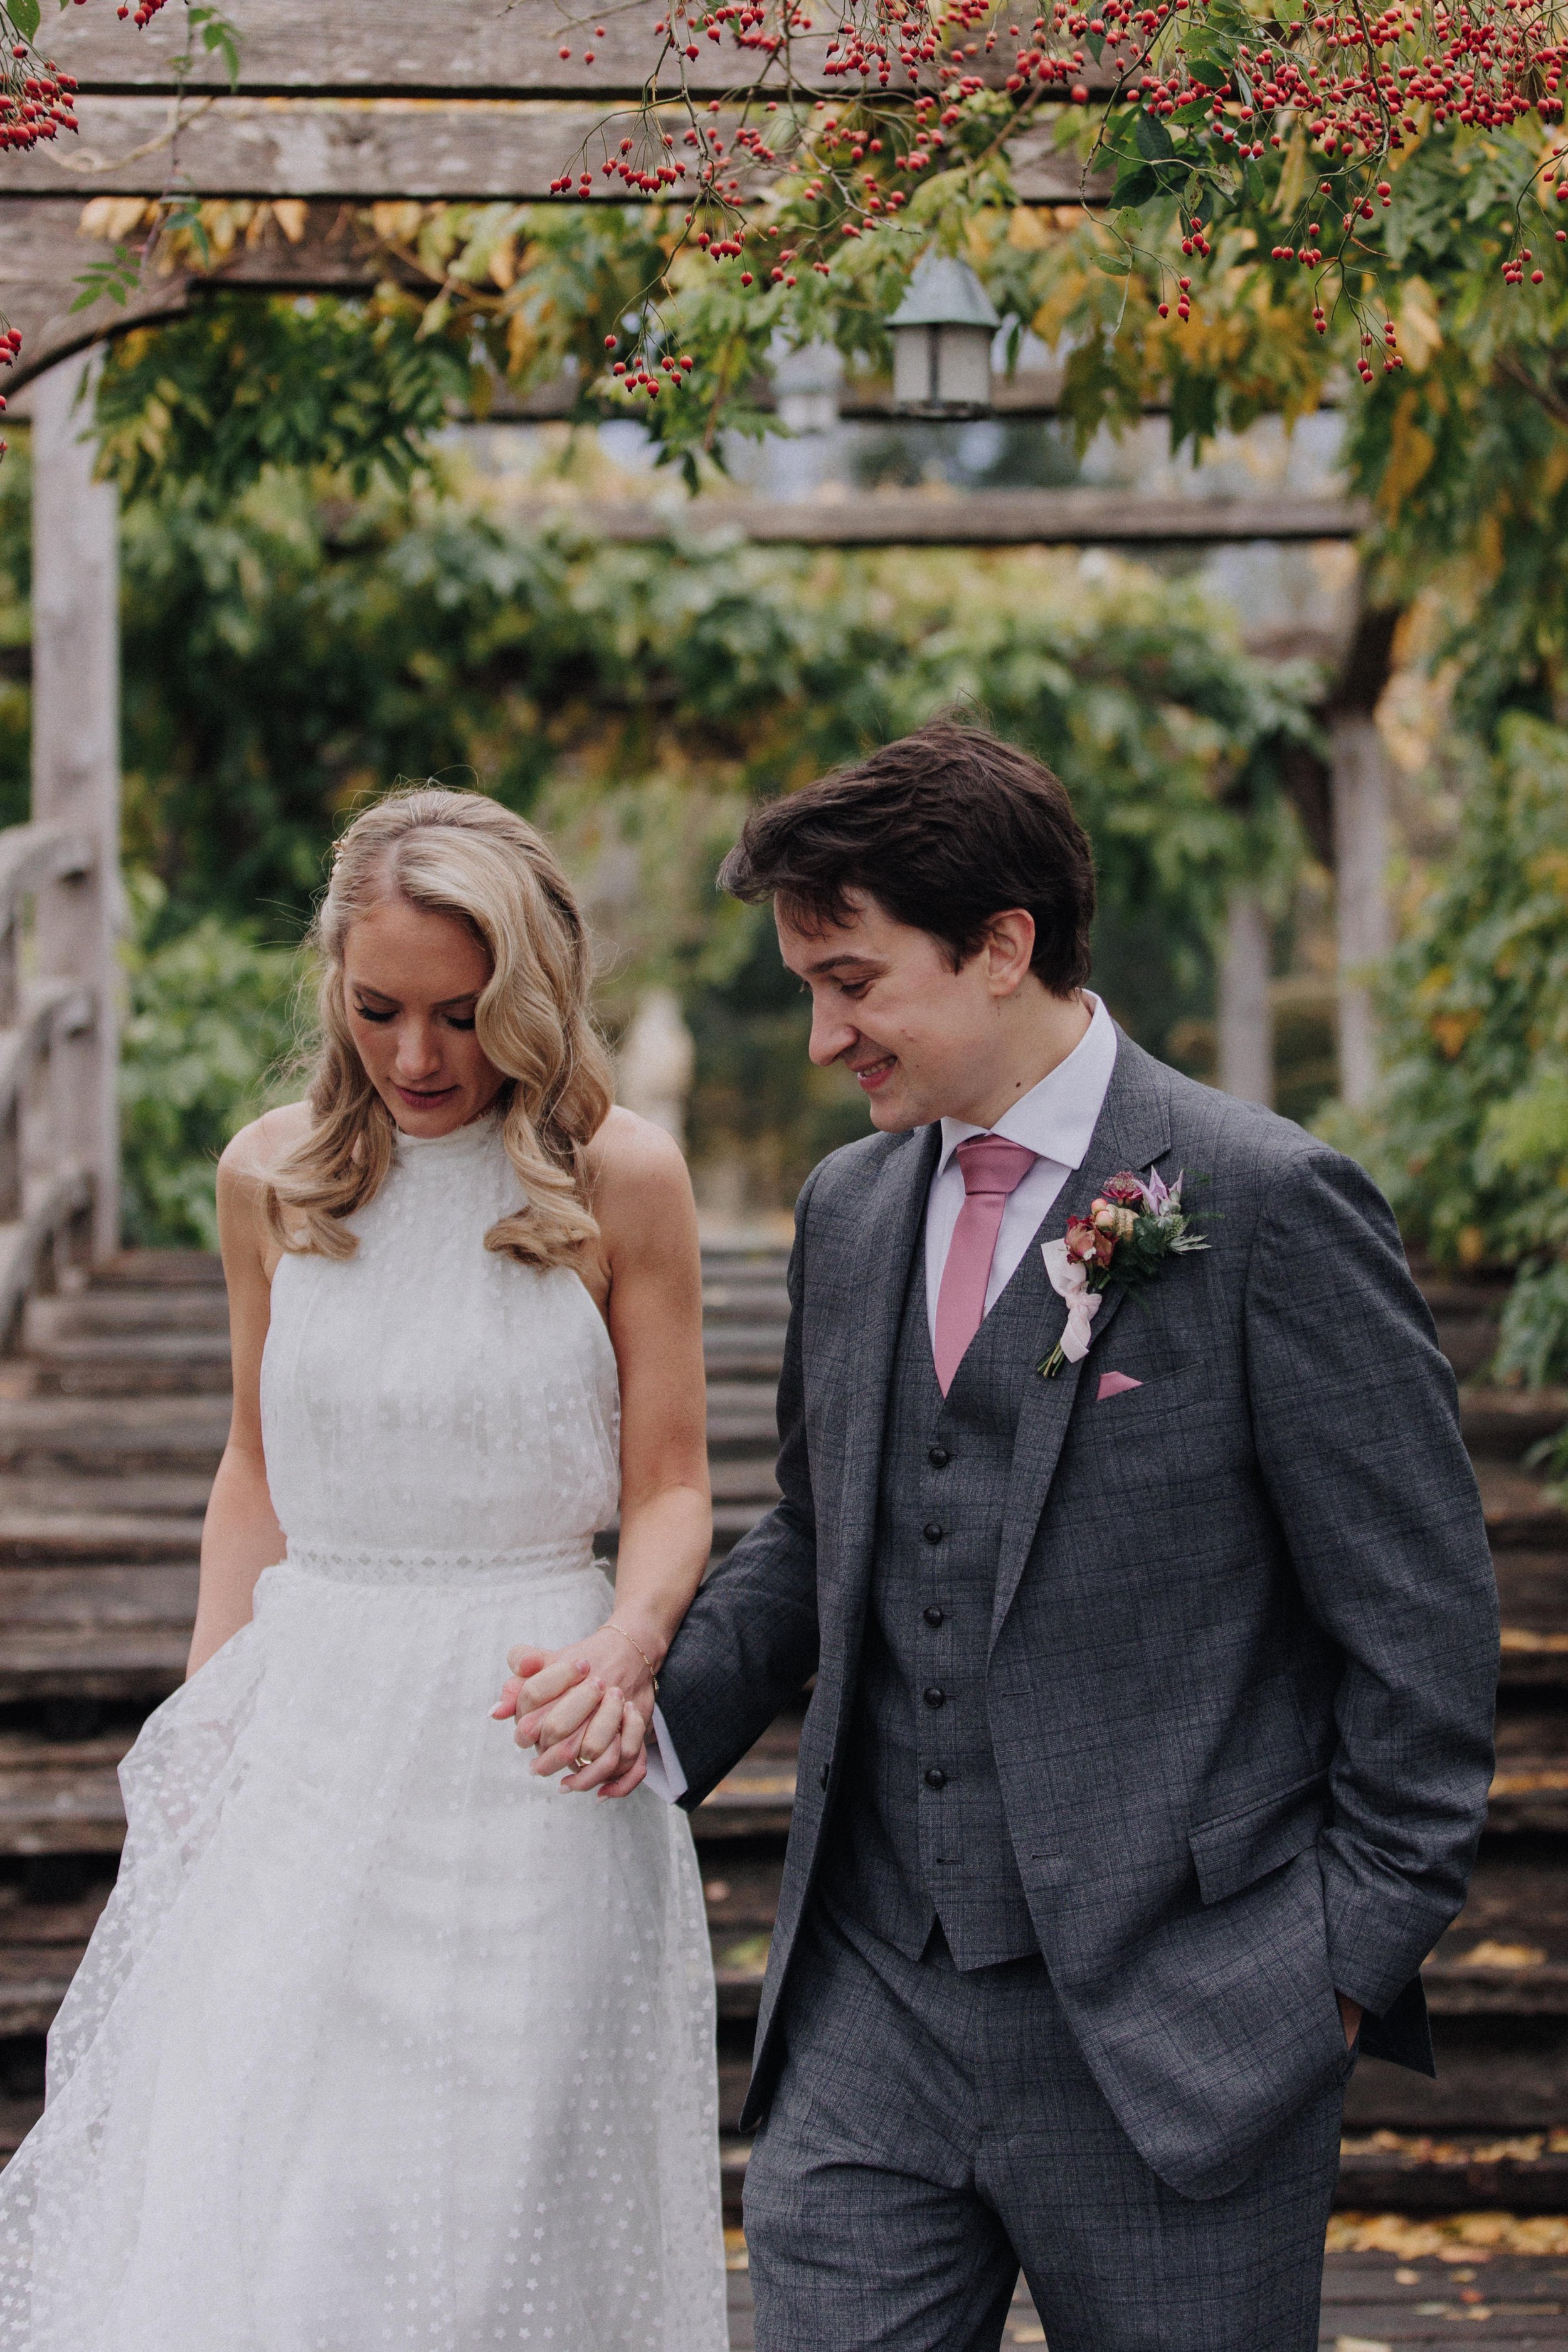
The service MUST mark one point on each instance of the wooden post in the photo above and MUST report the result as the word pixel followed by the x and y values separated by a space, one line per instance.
pixel 75 768
pixel 1360 777
pixel 1246 1013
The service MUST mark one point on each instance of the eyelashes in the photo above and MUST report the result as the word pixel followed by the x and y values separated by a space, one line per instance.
pixel 368 1012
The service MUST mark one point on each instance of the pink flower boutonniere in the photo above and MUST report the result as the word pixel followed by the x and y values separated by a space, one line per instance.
pixel 1132 1228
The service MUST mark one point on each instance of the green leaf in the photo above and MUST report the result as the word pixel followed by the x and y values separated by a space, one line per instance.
pixel 1136 183
pixel 1209 71
pixel 1153 139
pixel 1115 265
pixel 24 14
pixel 1129 223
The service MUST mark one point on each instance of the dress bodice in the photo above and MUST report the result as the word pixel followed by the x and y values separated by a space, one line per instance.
pixel 430 1400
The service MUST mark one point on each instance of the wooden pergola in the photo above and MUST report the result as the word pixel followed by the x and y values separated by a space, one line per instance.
pixel 335 111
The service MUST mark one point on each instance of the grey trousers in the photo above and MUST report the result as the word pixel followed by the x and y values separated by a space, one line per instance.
pixel 931 2132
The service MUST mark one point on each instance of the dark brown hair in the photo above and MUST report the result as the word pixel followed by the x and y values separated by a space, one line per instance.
pixel 946 829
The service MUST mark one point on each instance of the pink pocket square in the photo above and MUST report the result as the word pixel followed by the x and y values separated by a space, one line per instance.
pixel 1114 1384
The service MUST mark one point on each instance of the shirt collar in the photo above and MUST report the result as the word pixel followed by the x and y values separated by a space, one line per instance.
pixel 1056 1119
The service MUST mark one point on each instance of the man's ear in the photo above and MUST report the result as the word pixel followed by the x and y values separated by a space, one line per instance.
pixel 1008 948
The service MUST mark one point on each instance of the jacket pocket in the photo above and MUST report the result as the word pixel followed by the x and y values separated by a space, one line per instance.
pixel 1232 1852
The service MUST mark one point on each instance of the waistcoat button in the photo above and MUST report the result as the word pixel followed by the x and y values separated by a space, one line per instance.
pixel 933 1531
pixel 933 1697
pixel 934 1616
pixel 939 1457
pixel 936 1777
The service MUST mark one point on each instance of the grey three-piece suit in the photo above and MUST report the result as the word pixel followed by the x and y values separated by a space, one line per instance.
pixel 1142 1725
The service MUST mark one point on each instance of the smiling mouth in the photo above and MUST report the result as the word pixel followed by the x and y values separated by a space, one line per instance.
pixel 871 1074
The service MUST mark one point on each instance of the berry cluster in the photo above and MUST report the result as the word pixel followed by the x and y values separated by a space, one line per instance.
pixel 34 98
pixel 636 374
pixel 1202 93
pixel 10 344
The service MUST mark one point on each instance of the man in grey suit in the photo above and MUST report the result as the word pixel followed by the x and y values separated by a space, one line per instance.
pixel 1149 1738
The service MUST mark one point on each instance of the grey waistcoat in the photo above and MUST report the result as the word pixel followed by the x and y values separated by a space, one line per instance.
pixel 920 1834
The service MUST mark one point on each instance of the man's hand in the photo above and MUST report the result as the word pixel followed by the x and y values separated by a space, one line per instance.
pixel 1350 2014
pixel 566 1706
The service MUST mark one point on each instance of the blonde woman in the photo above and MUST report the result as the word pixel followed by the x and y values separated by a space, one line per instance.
pixel 382 2040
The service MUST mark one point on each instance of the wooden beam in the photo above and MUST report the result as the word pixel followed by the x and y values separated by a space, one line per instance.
pixel 985 519
pixel 1245 1008
pixel 76 778
pixel 44 250
pixel 370 149
pixel 412 48
pixel 366 48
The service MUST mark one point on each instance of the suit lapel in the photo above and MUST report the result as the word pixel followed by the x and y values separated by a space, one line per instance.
pixel 874 1275
pixel 1133 1131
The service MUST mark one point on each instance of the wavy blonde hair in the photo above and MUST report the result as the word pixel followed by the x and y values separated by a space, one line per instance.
pixel 457 854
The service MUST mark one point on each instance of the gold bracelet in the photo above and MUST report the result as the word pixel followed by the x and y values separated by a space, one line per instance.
pixel 637 1646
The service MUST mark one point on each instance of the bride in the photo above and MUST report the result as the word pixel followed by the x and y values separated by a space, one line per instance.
pixel 381 2041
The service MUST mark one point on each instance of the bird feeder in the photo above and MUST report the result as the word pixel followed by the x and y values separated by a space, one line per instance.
pixel 942 341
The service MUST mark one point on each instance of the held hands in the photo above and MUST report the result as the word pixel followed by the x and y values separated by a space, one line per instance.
pixel 586 1707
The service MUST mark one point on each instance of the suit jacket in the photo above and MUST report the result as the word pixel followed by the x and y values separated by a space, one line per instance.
pixel 1244 1646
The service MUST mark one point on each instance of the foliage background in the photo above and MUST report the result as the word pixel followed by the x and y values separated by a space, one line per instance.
pixel 296 649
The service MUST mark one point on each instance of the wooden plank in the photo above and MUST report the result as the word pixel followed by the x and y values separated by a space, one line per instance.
pixel 986 519
pixel 479 48
pixel 368 149
pixel 473 49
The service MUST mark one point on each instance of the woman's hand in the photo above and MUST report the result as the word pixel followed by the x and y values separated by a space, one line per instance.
pixel 592 1700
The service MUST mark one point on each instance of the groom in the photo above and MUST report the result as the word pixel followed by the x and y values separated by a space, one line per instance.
pixel 1151 1733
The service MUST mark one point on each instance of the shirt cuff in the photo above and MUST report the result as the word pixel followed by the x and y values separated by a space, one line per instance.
pixel 665 1776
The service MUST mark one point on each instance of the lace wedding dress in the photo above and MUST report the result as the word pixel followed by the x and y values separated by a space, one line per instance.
pixel 382 2040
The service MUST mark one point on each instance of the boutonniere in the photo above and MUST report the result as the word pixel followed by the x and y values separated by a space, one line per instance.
pixel 1131 1230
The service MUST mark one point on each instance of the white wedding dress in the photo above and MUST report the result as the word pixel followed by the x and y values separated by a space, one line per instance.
pixel 383 2041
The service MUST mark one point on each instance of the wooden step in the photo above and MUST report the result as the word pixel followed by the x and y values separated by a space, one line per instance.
pixel 60 1796
pixel 78 1435
pixel 743 1350
pixel 181 1363
pixel 160 1270
pixel 110 1538
pixel 742 1415
pixel 111 1632
pixel 131 1494
pixel 735 1298
pixel 112 1313
pixel 1505 1423
pixel 1520 1512
pixel 754 1801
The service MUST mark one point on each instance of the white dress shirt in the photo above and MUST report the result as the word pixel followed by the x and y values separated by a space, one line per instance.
pixel 1056 1119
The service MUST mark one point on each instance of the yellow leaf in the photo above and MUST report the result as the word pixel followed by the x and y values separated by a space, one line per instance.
pixel 1452 1029
pixel 1411 452
pixel 1490 1953
pixel 291 215
pixel 112 217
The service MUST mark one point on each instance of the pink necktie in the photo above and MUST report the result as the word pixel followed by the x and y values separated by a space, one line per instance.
pixel 992 1168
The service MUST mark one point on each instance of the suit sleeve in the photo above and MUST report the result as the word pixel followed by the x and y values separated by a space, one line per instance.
pixel 750 1639
pixel 1356 1427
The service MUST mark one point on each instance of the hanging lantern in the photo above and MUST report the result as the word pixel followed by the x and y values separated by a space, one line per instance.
pixel 942 341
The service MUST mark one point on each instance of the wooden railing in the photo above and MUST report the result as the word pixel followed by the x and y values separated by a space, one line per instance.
pixel 47 1037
